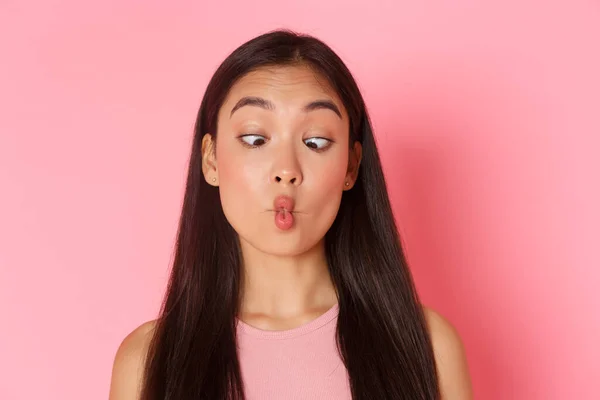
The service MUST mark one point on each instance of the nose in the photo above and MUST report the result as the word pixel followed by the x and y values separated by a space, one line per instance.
pixel 287 175
pixel 287 171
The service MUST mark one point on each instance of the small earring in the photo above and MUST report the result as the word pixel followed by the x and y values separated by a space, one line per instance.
pixel 347 184
pixel 214 179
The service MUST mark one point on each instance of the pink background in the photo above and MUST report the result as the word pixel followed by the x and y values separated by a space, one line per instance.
pixel 487 115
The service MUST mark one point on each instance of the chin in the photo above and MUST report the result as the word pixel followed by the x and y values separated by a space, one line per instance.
pixel 281 245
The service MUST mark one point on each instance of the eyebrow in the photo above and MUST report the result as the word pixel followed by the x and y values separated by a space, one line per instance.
pixel 267 105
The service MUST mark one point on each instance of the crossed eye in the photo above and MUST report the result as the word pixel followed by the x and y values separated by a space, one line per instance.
pixel 316 143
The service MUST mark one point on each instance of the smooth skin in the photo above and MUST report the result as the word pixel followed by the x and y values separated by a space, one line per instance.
pixel 289 136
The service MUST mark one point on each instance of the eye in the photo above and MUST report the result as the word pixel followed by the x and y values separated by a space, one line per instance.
pixel 317 143
pixel 253 140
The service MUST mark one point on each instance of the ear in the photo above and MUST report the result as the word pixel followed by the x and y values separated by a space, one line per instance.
pixel 209 160
pixel 354 159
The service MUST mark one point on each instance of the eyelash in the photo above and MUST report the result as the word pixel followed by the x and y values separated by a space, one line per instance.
pixel 241 138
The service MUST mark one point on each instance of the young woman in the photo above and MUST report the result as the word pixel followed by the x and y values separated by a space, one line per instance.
pixel 289 280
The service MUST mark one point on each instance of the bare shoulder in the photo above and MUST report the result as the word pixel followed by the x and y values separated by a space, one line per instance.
pixel 129 362
pixel 450 357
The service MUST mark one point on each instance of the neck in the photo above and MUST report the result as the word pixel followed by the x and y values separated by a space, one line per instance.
pixel 285 286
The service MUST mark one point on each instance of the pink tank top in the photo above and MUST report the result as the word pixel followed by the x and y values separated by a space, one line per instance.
pixel 300 363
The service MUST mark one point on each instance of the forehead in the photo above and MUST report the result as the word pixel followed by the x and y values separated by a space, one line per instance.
pixel 294 85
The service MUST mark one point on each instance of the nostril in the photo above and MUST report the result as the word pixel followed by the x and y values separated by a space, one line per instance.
pixel 279 179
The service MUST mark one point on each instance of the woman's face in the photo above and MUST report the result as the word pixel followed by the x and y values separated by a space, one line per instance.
pixel 300 131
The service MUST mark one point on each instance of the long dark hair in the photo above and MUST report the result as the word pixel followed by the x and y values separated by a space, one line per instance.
pixel 381 332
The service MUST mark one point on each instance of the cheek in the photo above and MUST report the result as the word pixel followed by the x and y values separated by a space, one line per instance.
pixel 326 190
pixel 239 179
pixel 240 174
pixel 329 175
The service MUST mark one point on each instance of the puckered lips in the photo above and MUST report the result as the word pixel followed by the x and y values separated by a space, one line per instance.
pixel 284 207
